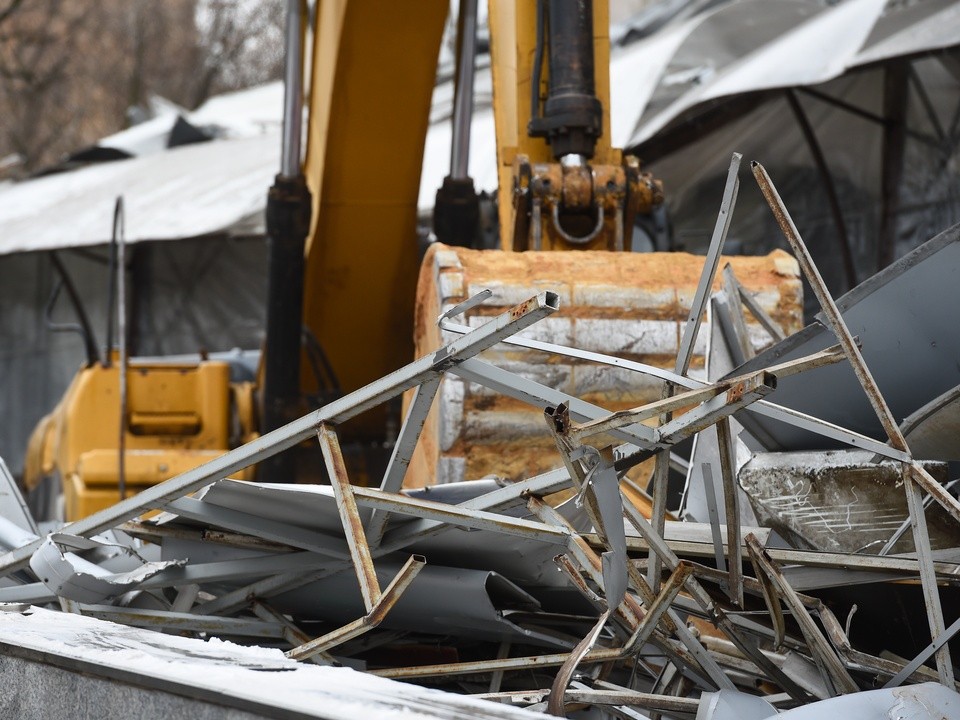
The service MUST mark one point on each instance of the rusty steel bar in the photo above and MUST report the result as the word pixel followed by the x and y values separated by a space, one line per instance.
pixel 591 564
pixel 935 489
pixel 458 516
pixel 659 607
pixel 630 613
pixel 728 476
pixel 355 403
pixel 385 602
pixel 659 482
pixel 946 572
pixel 706 603
pixel 832 668
pixel 880 407
pixel 484 666
pixel 830 309
pixel 740 395
pixel 604 694
pixel 665 703
pixel 562 678
pixel 156 534
pixel 899 567
pixel 772 601
pixel 928 580
pixel 856 660
pixel 666 405
pixel 576 579
pixel 349 516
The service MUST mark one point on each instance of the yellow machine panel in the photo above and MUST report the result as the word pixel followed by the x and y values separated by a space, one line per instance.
pixel 178 416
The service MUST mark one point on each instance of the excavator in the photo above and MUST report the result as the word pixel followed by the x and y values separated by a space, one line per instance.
pixel 350 298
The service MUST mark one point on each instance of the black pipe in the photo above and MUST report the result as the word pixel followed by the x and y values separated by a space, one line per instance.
pixel 572 115
pixel 288 221
pixel 83 328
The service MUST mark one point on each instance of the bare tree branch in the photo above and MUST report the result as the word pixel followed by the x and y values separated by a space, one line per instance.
pixel 71 71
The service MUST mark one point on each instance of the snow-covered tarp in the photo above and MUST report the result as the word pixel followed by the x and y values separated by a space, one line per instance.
pixel 192 190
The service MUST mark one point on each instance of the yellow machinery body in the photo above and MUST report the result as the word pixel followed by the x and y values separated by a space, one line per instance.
pixel 178 416
pixel 373 75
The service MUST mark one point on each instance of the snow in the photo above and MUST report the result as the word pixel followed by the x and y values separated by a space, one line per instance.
pixel 251 674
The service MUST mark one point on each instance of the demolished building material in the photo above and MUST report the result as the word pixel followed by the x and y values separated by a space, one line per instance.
pixel 501 589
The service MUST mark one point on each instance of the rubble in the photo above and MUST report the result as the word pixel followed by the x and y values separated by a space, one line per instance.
pixel 556 592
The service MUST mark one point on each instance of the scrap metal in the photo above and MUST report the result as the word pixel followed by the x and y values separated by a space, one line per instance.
pixel 555 581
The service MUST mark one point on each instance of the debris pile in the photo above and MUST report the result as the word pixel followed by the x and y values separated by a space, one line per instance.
pixel 815 560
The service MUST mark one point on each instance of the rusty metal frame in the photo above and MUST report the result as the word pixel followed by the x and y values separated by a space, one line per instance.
pixel 641 613
pixel 913 472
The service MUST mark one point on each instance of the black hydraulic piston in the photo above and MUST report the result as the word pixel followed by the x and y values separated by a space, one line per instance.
pixel 572 117
pixel 288 221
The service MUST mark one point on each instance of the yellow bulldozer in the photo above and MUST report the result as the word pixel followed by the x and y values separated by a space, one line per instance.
pixel 347 275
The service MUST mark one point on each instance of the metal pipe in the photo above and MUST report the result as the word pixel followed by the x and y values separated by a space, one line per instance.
pixel 287 222
pixel 403 450
pixel 710 265
pixel 834 673
pixel 119 231
pixel 292 93
pixel 463 99
pixel 349 517
pixel 572 115
pixel 84 327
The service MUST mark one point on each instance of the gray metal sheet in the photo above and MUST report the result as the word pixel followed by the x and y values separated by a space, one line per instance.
pixel 906 318
pixel 933 431
pixel 927 701
pixel 312 506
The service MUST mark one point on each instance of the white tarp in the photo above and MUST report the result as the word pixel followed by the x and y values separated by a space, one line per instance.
pixel 189 191
pixel 194 190
pixel 221 186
